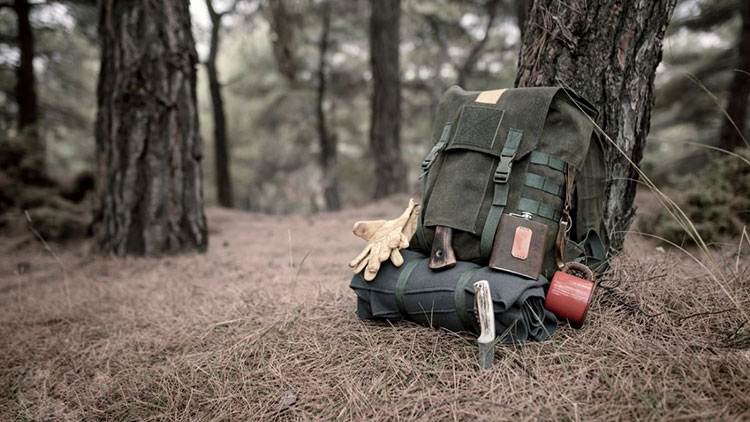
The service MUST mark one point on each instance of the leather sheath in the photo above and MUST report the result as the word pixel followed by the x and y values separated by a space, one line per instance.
pixel 519 246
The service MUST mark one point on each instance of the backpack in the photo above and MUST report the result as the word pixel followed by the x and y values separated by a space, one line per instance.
pixel 527 151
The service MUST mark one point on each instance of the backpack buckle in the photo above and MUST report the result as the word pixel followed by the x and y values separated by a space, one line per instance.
pixel 503 168
pixel 427 162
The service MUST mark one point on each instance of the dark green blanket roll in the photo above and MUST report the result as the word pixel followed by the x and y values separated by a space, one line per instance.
pixel 445 299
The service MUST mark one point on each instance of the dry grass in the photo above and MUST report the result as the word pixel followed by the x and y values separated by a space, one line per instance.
pixel 237 334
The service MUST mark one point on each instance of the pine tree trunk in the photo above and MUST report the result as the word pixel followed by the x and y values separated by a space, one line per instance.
pixel 221 143
pixel 731 133
pixel 522 13
pixel 608 52
pixel 147 138
pixel 328 141
pixel 385 128
pixel 25 86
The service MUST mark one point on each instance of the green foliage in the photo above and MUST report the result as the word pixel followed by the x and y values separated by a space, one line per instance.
pixel 717 201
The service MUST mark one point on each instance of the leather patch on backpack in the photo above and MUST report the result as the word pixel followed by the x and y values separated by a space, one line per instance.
pixel 490 97
pixel 519 246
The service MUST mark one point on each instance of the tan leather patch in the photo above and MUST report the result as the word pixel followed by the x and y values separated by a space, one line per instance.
pixel 521 242
pixel 489 97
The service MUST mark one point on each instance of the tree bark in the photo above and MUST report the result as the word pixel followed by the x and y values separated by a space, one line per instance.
pixel 328 142
pixel 25 92
pixel 282 39
pixel 731 135
pixel 522 14
pixel 385 126
pixel 608 52
pixel 147 139
pixel 221 143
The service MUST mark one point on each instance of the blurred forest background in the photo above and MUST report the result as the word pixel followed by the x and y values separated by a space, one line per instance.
pixel 293 72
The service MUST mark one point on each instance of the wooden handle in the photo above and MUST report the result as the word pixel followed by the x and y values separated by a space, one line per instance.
pixel 442 255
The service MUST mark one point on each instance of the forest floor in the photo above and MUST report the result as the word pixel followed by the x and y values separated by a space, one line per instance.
pixel 263 327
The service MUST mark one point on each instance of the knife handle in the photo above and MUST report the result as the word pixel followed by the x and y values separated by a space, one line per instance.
pixel 442 255
pixel 484 311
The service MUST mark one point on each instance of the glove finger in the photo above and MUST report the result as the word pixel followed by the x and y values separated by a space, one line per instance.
pixel 360 266
pixel 408 211
pixel 373 266
pixel 392 240
pixel 396 257
pixel 403 241
pixel 411 224
pixel 361 257
pixel 385 251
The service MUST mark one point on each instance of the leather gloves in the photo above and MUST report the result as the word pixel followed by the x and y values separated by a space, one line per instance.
pixel 384 240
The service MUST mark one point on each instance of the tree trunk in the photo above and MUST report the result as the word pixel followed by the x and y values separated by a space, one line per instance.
pixel 731 136
pixel 385 127
pixel 221 143
pixel 25 91
pixel 522 14
pixel 608 52
pixel 147 139
pixel 328 142
pixel 282 39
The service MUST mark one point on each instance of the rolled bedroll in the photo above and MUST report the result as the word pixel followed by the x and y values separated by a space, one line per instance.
pixel 445 299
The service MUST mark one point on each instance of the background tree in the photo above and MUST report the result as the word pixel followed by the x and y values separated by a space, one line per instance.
pixel 148 144
pixel 608 52
pixel 221 143
pixel 385 126
pixel 732 131
pixel 282 38
pixel 262 108
pixel 692 88
pixel 25 89
pixel 465 66
pixel 328 141
pixel 27 145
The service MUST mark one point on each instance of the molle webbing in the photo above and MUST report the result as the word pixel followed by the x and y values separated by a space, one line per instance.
pixel 544 159
pixel 545 184
pixel 540 209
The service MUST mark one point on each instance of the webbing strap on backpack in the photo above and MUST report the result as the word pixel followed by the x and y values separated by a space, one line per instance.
pixel 426 164
pixel 401 285
pixel 500 198
pixel 459 297
pixel 565 221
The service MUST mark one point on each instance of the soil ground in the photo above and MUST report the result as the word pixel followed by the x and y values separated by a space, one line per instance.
pixel 263 327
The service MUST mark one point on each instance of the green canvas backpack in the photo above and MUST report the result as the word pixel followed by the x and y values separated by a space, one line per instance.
pixel 510 151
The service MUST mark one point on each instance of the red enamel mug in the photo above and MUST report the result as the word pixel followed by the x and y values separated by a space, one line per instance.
pixel 569 297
